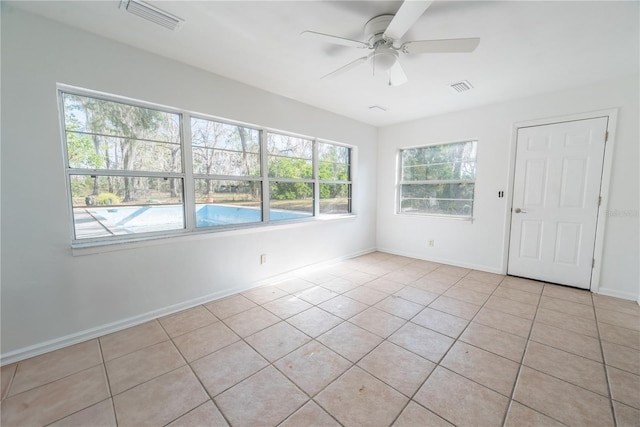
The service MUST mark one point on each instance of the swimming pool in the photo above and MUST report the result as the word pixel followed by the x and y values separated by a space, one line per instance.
pixel 208 215
pixel 107 221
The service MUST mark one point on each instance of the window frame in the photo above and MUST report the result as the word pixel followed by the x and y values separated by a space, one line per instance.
pixel 189 176
pixel 401 182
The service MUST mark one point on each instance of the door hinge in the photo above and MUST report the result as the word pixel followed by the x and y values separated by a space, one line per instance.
pixel 606 136
pixel 593 263
pixel 599 200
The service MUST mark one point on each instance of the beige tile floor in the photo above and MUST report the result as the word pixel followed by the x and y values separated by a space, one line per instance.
pixel 378 340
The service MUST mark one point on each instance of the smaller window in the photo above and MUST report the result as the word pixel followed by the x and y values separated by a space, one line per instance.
pixel 438 179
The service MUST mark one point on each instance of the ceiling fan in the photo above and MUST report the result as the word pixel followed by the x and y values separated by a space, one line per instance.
pixel 383 37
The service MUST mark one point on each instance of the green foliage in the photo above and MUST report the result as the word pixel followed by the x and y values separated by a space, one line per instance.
pixel 107 199
pixel 285 167
pixel 80 147
pixel 81 186
pixel 291 190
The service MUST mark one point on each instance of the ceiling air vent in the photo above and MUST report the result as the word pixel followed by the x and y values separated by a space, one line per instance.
pixel 461 86
pixel 151 13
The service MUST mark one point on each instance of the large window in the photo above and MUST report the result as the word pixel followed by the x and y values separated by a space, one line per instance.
pixel 137 170
pixel 438 179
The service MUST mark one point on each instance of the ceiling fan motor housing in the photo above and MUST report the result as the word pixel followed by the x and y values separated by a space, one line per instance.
pixel 375 28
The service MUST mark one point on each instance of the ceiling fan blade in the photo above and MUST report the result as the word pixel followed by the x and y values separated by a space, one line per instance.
pixel 441 46
pixel 345 68
pixel 335 39
pixel 407 15
pixel 397 76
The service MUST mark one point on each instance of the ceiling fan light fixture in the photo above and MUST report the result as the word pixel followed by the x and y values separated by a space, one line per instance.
pixel 383 59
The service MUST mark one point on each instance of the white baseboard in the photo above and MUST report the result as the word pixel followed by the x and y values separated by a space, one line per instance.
pixel 615 293
pixel 443 261
pixel 102 330
pixel 99 331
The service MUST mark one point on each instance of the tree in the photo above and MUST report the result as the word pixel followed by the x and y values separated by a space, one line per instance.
pixel 80 148
pixel 127 138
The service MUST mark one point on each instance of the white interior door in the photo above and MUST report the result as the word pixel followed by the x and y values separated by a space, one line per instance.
pixel 555 201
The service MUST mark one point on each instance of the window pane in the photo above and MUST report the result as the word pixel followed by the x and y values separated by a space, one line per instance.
pixel 333 153
pixel 224 149
pixel 335 198
pixel 224 202
pixel 440 171
pixel 444 199
pixel 290 200
pixel 106 206
pixel 115 153
pixel 216 162
pixel 284 167
pixel 440 162
pixel 289 157
pixel 333 171
pixel 111 135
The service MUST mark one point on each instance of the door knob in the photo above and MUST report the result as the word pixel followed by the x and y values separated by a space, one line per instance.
pixel 518 210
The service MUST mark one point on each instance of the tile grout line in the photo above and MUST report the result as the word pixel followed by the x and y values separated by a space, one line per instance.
pixel 13 375
pixel 104 370
pixel 524 353
pixel 509 398
pixel 437 364
pixel 189 366
pixel 355 364
pixel 272 363
pixel 106 374
pixel 604 364
pixel 410 398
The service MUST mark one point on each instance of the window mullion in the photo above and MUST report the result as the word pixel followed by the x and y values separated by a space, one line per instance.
pixel 187 167
pixel 127 173
pixel 316 179
pixel 264 172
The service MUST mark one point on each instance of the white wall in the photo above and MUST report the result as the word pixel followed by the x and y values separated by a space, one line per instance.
pixel 51 297
pixel 482 244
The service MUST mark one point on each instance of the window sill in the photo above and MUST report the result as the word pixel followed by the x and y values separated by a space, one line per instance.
pixel 91 248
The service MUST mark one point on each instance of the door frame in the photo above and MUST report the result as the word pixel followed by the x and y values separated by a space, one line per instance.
pixel 612 115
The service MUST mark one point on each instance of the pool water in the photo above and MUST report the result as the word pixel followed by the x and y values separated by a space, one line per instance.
pixel 144 219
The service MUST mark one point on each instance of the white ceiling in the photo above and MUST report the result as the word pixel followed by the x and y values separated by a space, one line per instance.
pixel 526 48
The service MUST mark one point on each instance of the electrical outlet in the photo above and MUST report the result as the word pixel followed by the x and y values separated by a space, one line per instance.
pixel 432 243
pixel 263 259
